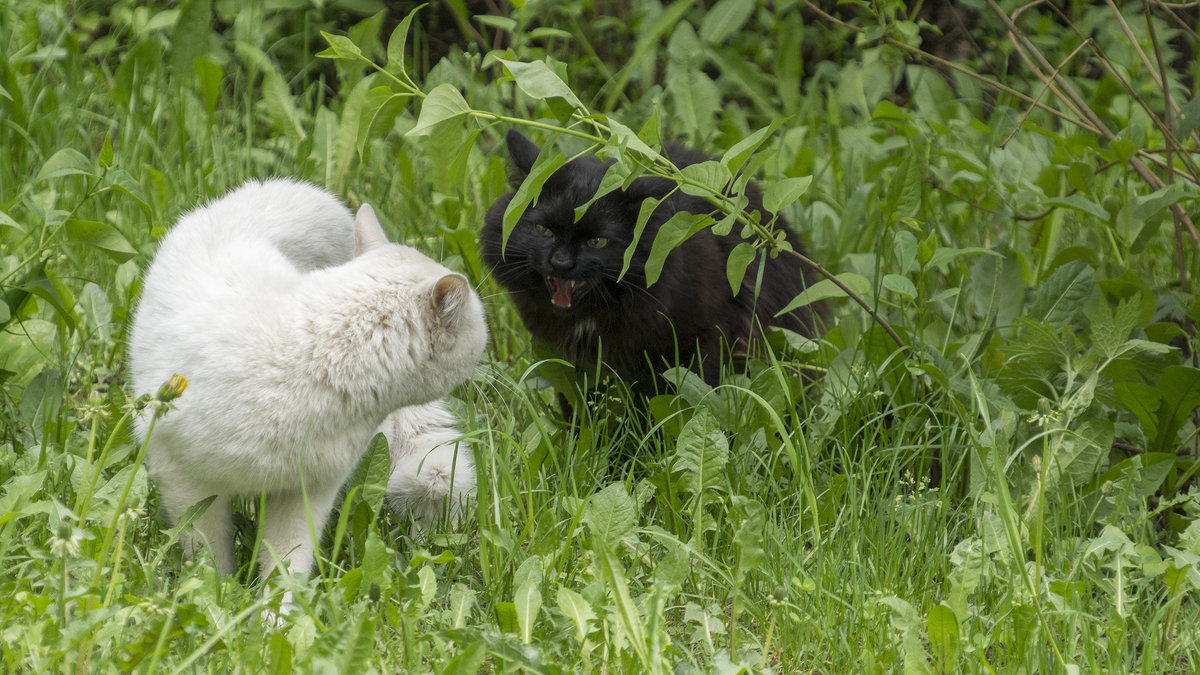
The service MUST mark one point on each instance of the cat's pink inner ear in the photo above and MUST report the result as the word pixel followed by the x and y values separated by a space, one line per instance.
pixel 368 233
pixel 449 293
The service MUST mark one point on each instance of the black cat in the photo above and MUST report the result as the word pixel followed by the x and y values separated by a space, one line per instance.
pixel 562 275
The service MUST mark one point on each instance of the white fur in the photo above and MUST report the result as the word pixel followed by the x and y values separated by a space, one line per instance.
pixel 296 349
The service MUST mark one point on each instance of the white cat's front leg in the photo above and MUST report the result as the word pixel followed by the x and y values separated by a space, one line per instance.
pixel 286 535
pixel 433 469
pixel 212 529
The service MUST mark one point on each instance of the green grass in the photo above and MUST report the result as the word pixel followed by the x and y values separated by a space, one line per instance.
pixel 1013 490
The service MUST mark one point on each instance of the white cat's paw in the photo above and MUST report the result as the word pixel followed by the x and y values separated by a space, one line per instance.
pixel 436 487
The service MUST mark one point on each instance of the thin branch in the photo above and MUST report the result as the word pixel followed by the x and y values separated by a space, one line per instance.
pixel 1045 86
pixel 850 294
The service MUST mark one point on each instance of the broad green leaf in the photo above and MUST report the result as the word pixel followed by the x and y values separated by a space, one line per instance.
pixel 427 584
pixel 780 194
pixel 900 285
pixel 735 267
pixel 678 229
pixel 577 609
pixel 626 138
pixel 749 536
pixel 66 162
pixel 706 178
pixel 539 82
pixel 97 311
pixel 1079 457
pixel 724 19
pixel 1060 297
pixel 701 453
pixel 371 474
pixel 942 627
pixel 695 97
pixel 378 112
pixel 904 189
pixel 462 602
pixel 443 104
pixel 377 561
pixel 528 603
pixel 101 236
pixel 827 289
pixel 610 515
pixel 1180 390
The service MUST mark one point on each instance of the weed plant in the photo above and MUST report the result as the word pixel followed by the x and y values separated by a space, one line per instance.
pixel 994 470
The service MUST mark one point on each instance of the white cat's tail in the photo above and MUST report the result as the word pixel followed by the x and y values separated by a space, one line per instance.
pixel 433 471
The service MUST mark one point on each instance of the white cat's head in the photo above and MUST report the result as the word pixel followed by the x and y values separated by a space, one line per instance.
pixel 407 330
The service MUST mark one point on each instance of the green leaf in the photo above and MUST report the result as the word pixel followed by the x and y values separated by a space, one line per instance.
pixel 749 536
pixel 7 221
pixel 900 285
pixel 577 609
pixel 462 601
pixel 340 47
pixel 942 626
pixel 1061 296
pixel 1180 390
pixel 190 37
pixel 378 112
pixel 209 74
pixel 539 82
pixel 610 515
pixel 548 161
pixel 724 19
pixel 101 236
pixel 904 189
pixel 443 104
pixel 398 40
pixel 827 289
pixel 627 138
pixel 736 156
pixel 66 162
pixel 702 453
pixel 644 212
pixel 944 254
pixel 735 267
pixel 528 597
pixel 678 229
pixel 782 193
pixel 1080 455
pixel 1078 202
pixel 371 474
pixel 711 178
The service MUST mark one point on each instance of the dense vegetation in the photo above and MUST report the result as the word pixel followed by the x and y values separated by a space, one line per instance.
pixel 996 471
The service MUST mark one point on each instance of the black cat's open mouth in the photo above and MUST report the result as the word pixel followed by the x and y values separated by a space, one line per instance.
pixel 562 290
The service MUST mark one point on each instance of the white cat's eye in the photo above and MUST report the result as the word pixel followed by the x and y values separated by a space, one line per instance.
pixel 597 242
pixel 543 230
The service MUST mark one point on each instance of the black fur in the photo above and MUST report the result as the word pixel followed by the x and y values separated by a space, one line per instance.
pixel 689 316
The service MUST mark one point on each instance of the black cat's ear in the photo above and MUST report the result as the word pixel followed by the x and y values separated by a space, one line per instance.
pixel 522 151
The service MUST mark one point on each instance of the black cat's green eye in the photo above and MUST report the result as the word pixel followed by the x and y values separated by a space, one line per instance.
pixel 543 230
pixel 597 242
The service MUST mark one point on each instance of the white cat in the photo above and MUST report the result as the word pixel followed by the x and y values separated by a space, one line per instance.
pixel 299 328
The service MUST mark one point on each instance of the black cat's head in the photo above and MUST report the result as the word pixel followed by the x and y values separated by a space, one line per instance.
pixel 552 257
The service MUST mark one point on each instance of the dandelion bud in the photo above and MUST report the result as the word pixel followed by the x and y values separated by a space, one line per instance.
pixel 172 388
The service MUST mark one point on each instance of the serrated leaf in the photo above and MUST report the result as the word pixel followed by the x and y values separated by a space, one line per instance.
pixel 444 104
pixel 610 515
pixel 782 193
pixel 1077 459
pixel 101 236
pixel 701 453
pixel 66 162
pixel 539 82
pixel 427 584
pixel 735 267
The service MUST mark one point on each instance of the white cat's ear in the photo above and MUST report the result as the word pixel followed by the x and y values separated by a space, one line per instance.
pixel 368 233
pixel 449 294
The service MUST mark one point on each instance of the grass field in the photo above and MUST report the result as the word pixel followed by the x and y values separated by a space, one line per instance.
pixel 997 471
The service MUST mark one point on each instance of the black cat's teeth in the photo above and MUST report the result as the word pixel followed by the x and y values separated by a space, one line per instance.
pixel 561 291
